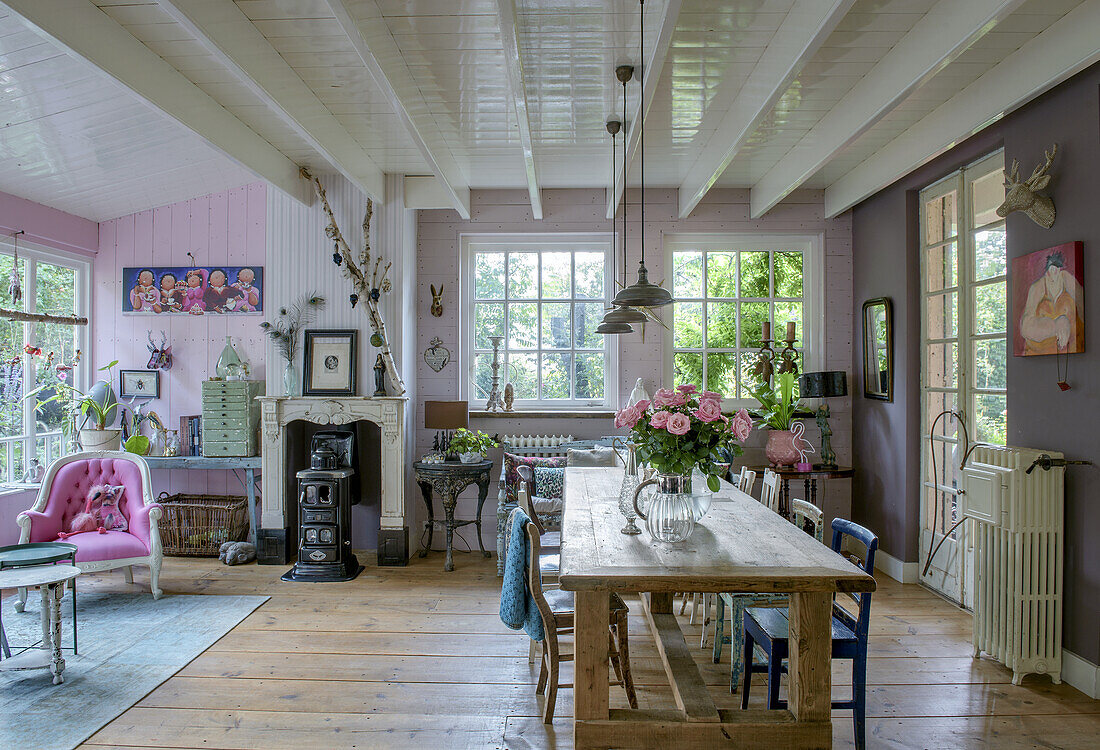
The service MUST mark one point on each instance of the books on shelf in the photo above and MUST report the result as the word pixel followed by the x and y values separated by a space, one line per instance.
pixel 191 435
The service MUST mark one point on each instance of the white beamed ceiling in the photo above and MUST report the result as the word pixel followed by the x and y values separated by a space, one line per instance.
pixel 72 138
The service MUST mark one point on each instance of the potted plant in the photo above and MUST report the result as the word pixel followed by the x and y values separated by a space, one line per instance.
pixel 778 406
pixel 97 405
pixel 470 445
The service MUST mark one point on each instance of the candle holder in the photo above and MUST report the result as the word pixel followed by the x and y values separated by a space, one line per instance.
pixel 765 363
pixel 495 401
pixel 787 363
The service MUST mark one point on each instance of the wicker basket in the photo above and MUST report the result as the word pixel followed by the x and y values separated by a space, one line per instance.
pixel 197 525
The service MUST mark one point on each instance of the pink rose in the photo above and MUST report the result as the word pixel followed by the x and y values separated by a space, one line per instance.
pixel 660 420
pixel 668 397
pixel 641 406
pixel 741 425
pixel 627 417
pixel 709 410
pixel 711 395
pixel 678 424
pixel 687 389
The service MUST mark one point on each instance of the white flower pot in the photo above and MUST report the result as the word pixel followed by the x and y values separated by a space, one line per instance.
pixel 101 440
pixel 469 458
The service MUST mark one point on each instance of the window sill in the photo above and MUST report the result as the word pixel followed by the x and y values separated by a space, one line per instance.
pixel 17 487
pixel 544 414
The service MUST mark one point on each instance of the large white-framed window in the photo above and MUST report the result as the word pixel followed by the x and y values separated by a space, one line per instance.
pixel 726 286
pixel 545 294
pixel 964 322
pixel 56 283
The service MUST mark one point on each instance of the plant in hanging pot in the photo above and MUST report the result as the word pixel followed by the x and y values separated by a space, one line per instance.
pixel 778 407
pixel 470 446
pixel 676 432
pixel 97 406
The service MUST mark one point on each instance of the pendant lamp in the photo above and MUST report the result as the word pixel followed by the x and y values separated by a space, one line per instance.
pixel 612 326
pixel 643 292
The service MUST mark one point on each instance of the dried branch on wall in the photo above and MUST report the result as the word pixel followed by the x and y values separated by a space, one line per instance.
pixel 368 283
pixel 26 317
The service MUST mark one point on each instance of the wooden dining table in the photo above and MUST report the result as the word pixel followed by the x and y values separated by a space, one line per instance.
pixel 739 545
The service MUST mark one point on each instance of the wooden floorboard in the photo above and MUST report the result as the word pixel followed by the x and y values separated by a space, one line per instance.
pixel 415 657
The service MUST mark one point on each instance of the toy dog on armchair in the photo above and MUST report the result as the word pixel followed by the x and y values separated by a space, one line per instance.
pixel 101 512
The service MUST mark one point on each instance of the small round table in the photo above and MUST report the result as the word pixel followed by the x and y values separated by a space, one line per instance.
pixel 50 580
pixel 787 473
pixel 449 478
pixel 36 553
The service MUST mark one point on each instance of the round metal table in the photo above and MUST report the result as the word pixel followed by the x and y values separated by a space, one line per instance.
pixel 50 580
pixel 449 478
pixel 36 553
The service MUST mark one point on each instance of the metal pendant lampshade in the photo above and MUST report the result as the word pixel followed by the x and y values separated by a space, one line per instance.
pixel 606 327
pixel 624 315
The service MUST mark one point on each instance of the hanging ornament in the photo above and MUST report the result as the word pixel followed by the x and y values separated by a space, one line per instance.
pixel 15 288
pixel 353 299
pixel 336 257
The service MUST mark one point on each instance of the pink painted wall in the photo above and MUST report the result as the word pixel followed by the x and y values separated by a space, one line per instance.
pixel 223 228
pixel 48 226
pixel 582 210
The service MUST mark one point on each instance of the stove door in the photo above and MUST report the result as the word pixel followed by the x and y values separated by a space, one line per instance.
pixel 318 494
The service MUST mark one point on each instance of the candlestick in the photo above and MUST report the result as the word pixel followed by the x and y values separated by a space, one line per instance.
pixel 766 331
pixel 790 330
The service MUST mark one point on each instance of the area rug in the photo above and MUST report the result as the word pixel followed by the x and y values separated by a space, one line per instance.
pixel 129 644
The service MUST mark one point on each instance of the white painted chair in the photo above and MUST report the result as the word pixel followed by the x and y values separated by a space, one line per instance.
pixel 769 491
pixel 746 479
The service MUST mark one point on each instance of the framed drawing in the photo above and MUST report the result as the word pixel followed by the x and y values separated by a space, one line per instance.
pixel 1048 301
pixel 139 383
pixel 330 363
pixel 187 290
pixel 878 349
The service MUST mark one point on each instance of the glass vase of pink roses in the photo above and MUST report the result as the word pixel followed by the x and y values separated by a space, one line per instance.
pixel 679 430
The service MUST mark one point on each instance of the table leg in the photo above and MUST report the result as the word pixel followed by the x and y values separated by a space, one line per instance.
pixel 785 499
pixel 250 492
pixel 450 500
pixel 810 616
pixel 426 493
pixel 812 487
pixel 57 664
pixel 590 688
pixel 482 493
pixel 44 591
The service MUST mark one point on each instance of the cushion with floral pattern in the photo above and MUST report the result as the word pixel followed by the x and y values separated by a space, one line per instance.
pixel 549 481
pixel 512 462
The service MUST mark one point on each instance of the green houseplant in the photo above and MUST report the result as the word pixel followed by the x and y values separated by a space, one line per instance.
pixel 470 445
pixel 778 408
pixel 97 405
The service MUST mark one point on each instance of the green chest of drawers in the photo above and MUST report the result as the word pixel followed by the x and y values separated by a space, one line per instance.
pixel 230 417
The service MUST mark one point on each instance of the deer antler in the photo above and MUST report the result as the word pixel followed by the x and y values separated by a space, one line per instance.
pixel 1042 168
pixel 152 346
pixel 1012 176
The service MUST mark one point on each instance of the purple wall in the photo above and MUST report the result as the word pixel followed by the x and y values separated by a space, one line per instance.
pixel 885 243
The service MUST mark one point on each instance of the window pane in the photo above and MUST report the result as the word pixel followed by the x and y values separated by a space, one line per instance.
pixel 721 274
pixel 989 253
pixel 754 274
pixel 55 293
pixel 936 402
pixel 523 374
pixel 722 373
pixel 587 317
pixel 940 220
pixel 988 192
pixel 753 315
pixel 687 325
pixel 940 267
pixel 687 274
pixel 747 380
pixel 556 325
pixel 788 274
pixel 523 325
pixel 989 308
pixel 589 278
pixel 786 311
pixel 590 375
pixel 990 363
pixel 990 412
pixel 483 375
pixel 523 275
pixel 722 325
pixel 940 365
pixel 943 316
pixel 488 321
pixel 556 273
pixel 689 369
pixel 489 275
pixel 555 375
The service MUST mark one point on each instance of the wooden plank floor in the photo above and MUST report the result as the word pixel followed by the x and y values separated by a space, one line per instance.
pixel 415 657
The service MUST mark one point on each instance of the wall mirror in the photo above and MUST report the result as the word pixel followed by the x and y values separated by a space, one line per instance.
pixel 878 349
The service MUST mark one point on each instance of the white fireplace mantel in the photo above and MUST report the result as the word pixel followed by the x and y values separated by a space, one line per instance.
pixel 388 412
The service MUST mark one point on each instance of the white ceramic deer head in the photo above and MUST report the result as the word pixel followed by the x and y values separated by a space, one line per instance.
pixel 1022 196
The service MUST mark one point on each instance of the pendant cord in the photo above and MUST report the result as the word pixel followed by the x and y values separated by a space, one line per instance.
pixel 626 185
pixel 641 125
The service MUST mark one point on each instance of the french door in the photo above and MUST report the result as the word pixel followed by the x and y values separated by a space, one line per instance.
pixel 964 350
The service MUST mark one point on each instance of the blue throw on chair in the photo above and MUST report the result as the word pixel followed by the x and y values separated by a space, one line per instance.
pixel 518 608
pixel 769 628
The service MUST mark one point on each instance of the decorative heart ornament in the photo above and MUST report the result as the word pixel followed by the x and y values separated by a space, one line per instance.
pixel 437 356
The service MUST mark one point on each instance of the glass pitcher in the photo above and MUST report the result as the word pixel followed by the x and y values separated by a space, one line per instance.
pixel 670 517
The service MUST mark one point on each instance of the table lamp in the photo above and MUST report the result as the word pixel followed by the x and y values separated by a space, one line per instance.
pixel 827 384
pixel 444 417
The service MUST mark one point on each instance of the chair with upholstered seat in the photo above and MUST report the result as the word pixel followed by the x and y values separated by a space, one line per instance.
pixel 62 495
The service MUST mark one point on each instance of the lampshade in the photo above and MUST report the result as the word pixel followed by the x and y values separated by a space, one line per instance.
pixel 614 328
pixel 624 315
pixel 643 292
pixel 446 415
pixel 827 384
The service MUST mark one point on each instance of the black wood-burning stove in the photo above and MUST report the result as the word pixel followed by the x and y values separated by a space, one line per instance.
pixel 326 492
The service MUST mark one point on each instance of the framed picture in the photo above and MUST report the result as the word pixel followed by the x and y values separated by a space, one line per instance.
pixel 184 290
pixel 330 363
pixel 139 383
pixel 1048 301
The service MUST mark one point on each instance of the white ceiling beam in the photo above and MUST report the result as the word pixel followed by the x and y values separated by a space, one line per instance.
pixel 650 76
pixel 1067 47
pixel 88 33
pixel 940 36
pixel 517 88
pixel 806 27
pixel 231 38
pixel 382 58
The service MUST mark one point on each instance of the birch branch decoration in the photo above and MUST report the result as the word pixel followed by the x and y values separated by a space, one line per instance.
pixel 369 280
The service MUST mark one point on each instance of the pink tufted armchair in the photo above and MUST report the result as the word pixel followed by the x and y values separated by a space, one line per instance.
pixel 64 490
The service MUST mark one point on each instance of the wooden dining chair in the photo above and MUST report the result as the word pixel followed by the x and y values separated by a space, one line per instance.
pixel 557 611
pixel 769 628
pixel 769 490
pixel 746 479
pixel 549 562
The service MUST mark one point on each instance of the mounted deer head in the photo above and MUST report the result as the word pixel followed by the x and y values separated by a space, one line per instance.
pixel 160 357
pixel 1021 196
pixel 437 301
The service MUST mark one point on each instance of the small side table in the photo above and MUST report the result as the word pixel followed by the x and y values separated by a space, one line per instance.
pixel 50 580
pixel 787 473
pixel 36 553
pixel 449 478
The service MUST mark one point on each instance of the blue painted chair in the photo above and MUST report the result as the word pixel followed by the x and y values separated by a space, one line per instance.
pixel 769 628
